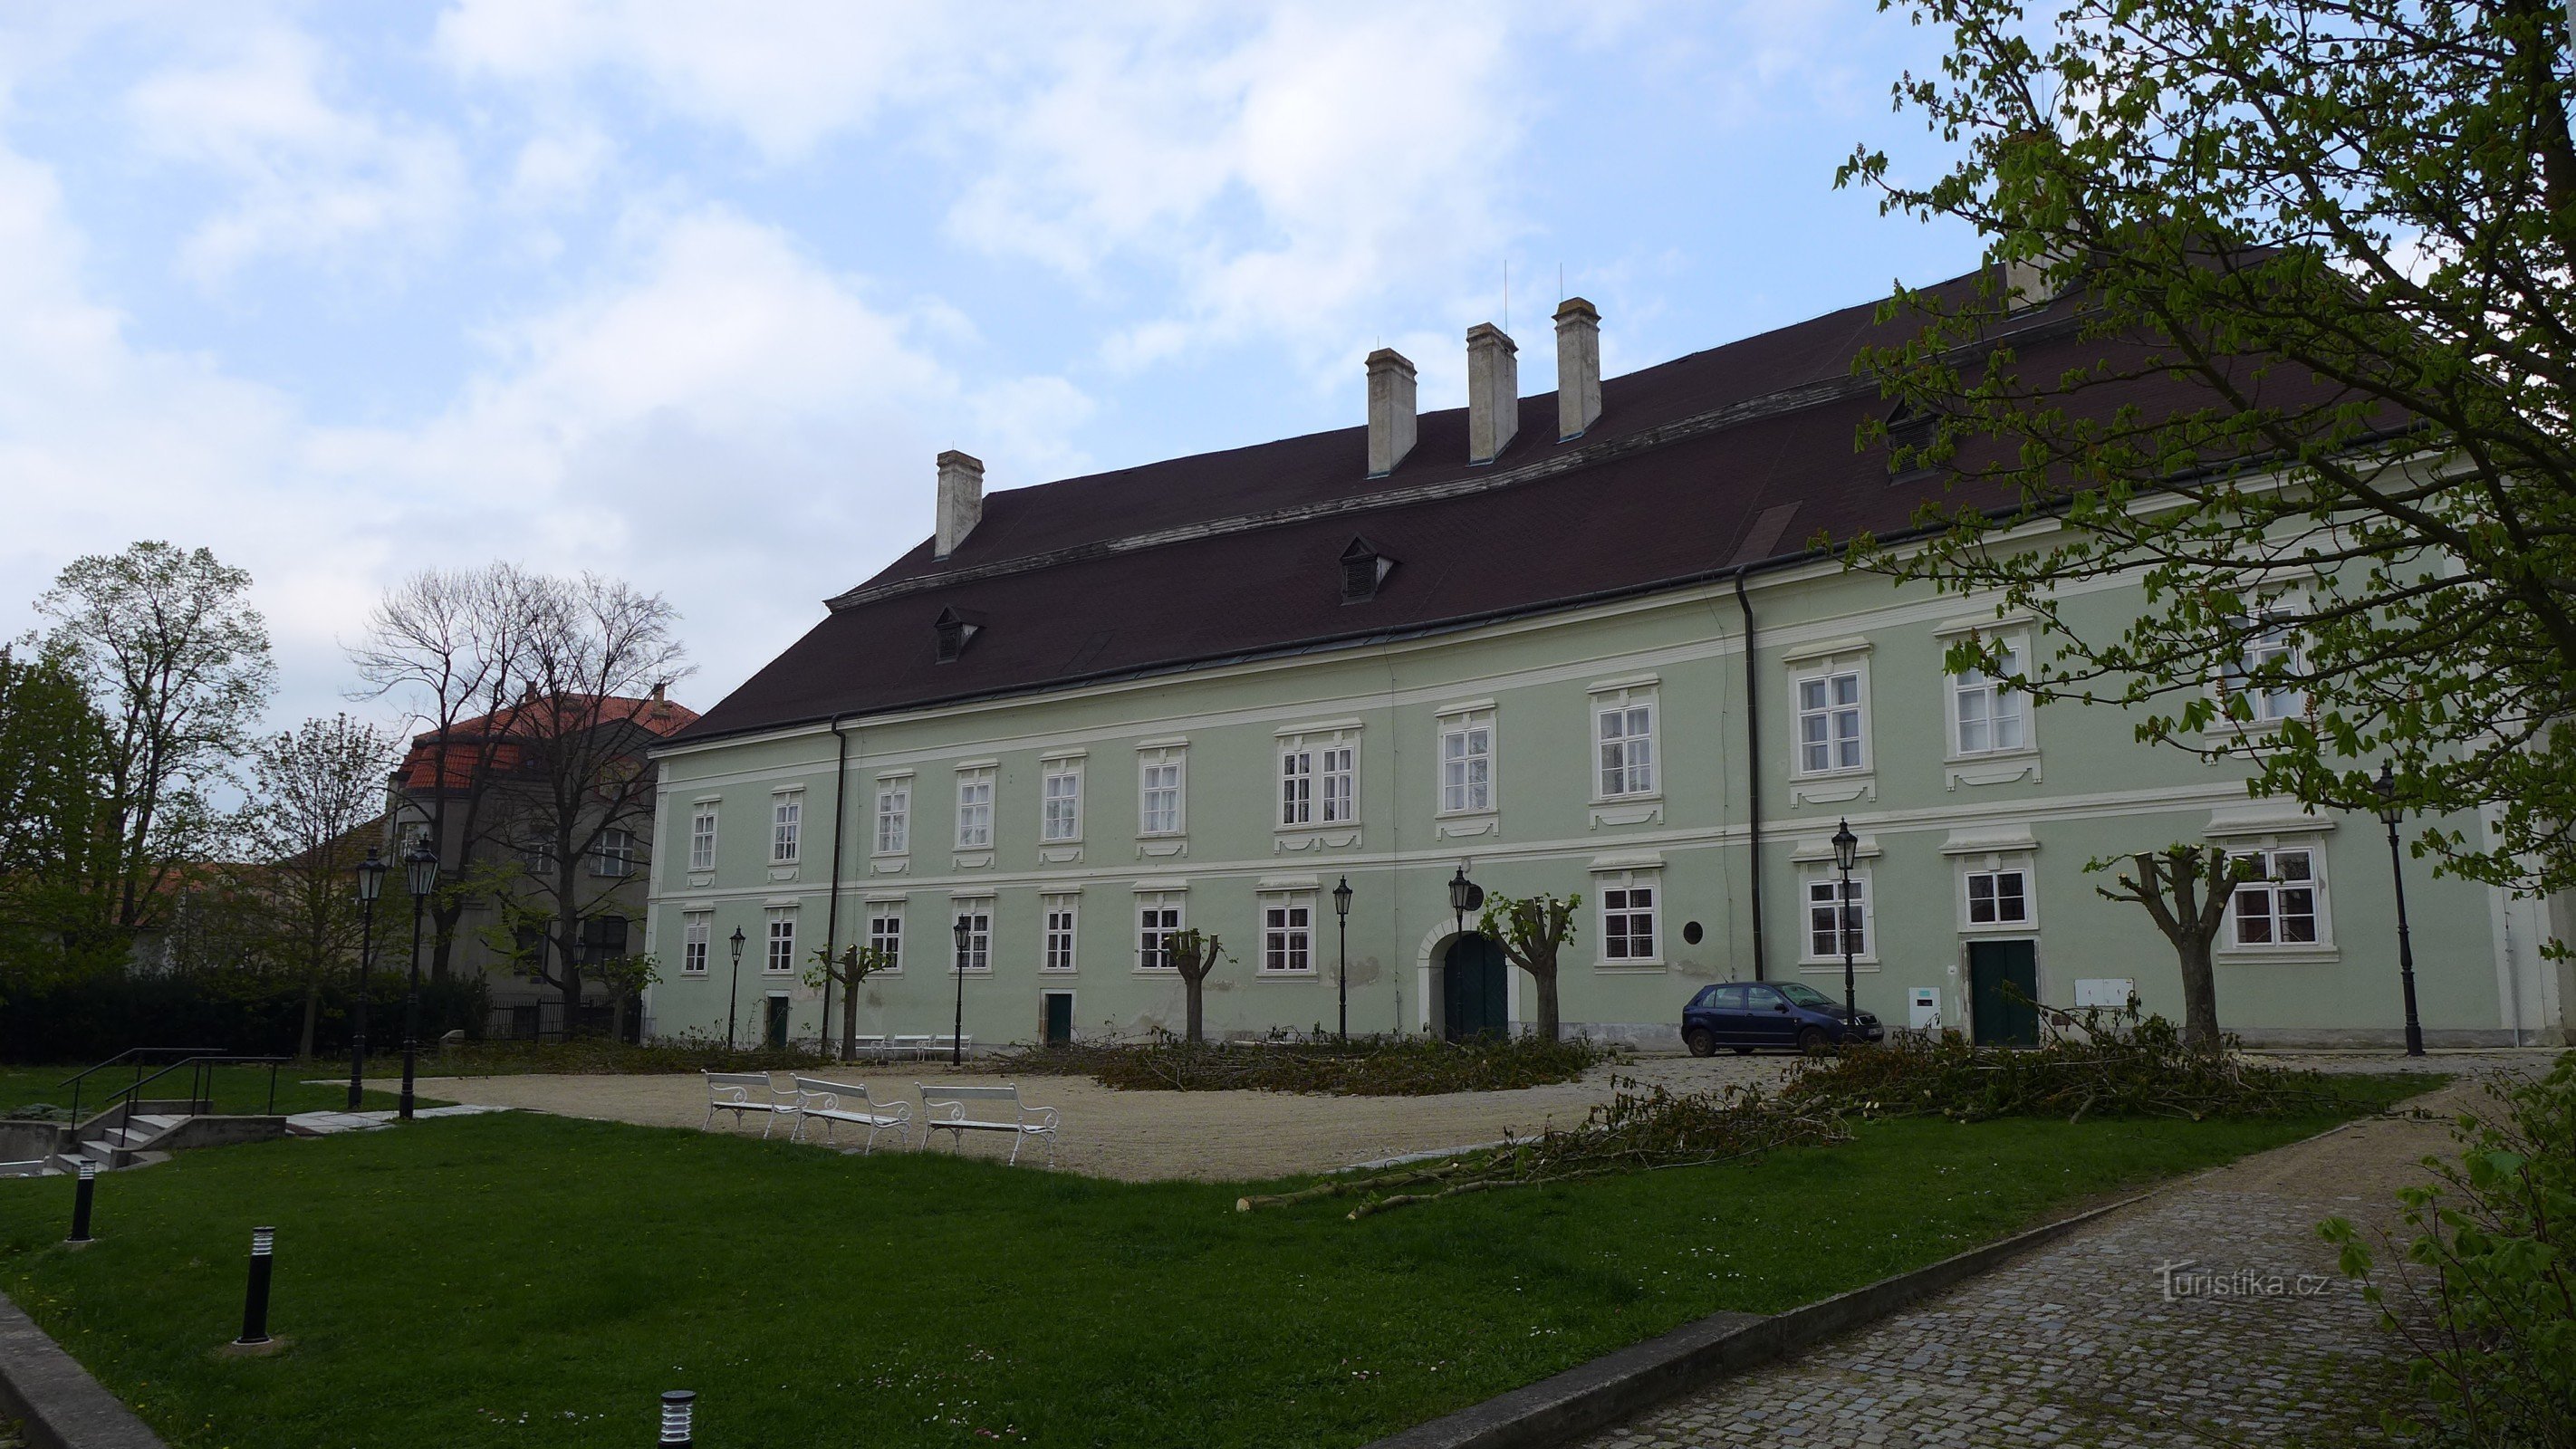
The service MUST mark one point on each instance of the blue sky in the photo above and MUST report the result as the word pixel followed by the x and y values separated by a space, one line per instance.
pixel 694 294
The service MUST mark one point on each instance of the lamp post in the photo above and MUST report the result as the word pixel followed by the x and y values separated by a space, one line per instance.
pixel 734 998
pixel 965 933
pixel 2390 812
pixel 1464 896
pixel 1342 987
pixel 371 883
pixel 420 872
pixel 1846 851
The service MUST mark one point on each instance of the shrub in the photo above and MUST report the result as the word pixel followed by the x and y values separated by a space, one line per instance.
pixel 2490 1318
pixel 90 1018
pixel 1374 1066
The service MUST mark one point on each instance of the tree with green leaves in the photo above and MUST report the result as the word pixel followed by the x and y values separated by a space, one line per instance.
pixel 317 794
pixel 2318 258
pixel 1194 954
pixel 166 644
pixel 2185 890
pixel 53 807
pixel 847 971
pixel 1533 931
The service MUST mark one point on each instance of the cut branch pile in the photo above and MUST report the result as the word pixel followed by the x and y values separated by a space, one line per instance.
pixel 1385 1066
pixel 1633 1132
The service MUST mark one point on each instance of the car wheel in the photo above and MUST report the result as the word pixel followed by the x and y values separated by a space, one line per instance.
pixel 1812 1041
pixel 1701 1041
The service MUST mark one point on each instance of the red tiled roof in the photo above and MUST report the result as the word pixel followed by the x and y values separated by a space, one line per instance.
pixel 451 766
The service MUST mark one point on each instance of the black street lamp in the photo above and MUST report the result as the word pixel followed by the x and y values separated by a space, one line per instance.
pixel 965 933
pixel 371 883
pixel 420 872
pixel 1846 851
pixel 1342 987
pixel 2390 812
pixel 735 999
pixel 1464 896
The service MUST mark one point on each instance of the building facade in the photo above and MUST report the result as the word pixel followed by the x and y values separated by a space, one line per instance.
pixel 1575 643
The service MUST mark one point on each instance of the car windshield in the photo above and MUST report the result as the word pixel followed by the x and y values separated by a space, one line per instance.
pixel 1805 995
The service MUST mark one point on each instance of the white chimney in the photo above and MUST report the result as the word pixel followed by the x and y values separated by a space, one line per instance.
pixel 1493 392
pixel 1578 367
pixel 961 501
pixel 1391 410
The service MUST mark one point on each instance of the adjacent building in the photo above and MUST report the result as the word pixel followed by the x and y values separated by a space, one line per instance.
pixel 1577 643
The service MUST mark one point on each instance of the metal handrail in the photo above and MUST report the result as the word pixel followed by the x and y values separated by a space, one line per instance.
pixel 139 1056
pixel 201 1080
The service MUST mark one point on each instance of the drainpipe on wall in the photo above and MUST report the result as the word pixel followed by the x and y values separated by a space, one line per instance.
pixel 832 903
pixel 1752 772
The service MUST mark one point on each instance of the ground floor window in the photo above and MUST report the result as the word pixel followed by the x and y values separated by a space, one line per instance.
pixel 1999 897
pixel 1158 915
pixel 977 952
pixel 696 929
pixel 885 935
pixel 2281 902
pixel 1628 911
pixel 1060 920
pixel 1288 932
pixel 1824 941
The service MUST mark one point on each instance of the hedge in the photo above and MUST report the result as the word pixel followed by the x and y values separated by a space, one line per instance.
pixel 91 1018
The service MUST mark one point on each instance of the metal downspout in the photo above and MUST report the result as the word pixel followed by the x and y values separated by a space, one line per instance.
pixel 832 903
pixel 1752 774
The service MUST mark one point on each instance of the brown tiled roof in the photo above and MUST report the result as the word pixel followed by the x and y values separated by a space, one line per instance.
pixel 1739 455
pixel 431 764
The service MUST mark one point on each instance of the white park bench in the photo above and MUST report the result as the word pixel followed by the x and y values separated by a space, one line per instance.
pixel 960 1110
pixel 869 1048
pixel 740 1092
pixel 935 1047
pixel 838 1102
pixel 913 1046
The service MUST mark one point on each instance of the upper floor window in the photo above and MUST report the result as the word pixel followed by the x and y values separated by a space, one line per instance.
pixel 2281 900
pixel 1623 731
pixel 1318 780
pixel 1466 764
pixel 1161 809
pixel 1061 919
pixel 782 938
pixel 696 929
pixel 1986 715
pixel 974 809
pixel 1628 914
pixel 702 838
pixel 1158 915
pixel 977 953
pixel 1829 720
pixel 885 933
pixel 894 818
pixel 1288 932
pixel 2254 677
pixel 1061 789
pixel 613 854
pixel 786 828
pixel 537 853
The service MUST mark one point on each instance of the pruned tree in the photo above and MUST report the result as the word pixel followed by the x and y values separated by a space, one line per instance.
pixel 170 652
pixel 1194 954
pixel 625 977
pixel 2320 257
pixel 53 805
pixel 2185 890
pixel 1532 931
pixel 854 965
pixel 315 793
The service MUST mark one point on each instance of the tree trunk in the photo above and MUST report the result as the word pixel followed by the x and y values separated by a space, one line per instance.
pixel 849 1021
pixel 2199 998
pixel 617 1015
pixel 312 1014
pixel 1192 987
pixel 443 918
pixel 1550 1026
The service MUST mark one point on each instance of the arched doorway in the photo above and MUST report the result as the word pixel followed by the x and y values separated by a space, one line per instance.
pixel 1475 989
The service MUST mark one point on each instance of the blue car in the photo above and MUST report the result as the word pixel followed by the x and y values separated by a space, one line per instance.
pixel 1780 1015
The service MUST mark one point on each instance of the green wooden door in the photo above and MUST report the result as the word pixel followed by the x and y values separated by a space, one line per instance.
pixel 1474 989
pixel 776 1033
pixel 1059 1018
pixel 2002 1017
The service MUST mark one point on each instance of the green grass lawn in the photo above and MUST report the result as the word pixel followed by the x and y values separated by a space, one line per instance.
pixel 532 1281
pixel 235 1089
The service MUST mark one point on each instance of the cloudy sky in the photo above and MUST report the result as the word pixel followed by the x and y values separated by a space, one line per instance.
pixel 693 294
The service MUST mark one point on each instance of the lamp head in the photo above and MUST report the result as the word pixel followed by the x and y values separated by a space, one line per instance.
pixel 1464 895
pixel 420 867
pixel 2386 788
pixel 964 931
pixel 371 875
pixel 1846 845
pixel 737 945
pixel 1342 898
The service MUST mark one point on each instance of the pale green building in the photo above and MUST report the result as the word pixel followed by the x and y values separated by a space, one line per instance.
pixel 1574 642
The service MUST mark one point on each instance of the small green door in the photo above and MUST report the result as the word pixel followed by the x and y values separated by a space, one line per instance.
pixel 1473 990
pixel 1059 1018
pixel 2001 1017
pixel 776 1034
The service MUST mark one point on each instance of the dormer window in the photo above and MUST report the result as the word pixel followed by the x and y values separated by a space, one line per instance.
pixel 1363 569
pixel 1909 427
pixel 956 629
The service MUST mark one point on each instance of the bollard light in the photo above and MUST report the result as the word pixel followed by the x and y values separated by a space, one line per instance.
pixel 263 1248
pixel 81 1198
pixel 679 1416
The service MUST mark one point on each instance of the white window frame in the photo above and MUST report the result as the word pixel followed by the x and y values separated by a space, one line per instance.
pixel 778 941
pixel 1627 883
pixel 2269 888
pixel 1059 934
pixel 894 818
pixel 1991 870
pixel 978 958
pixel 1060 810
pixel 1824 879
pixel 1154 961
pixel 697 938
pixel 2271 705
pixel 1624 702
pixel 1997 705
pixel 1176 758
pixel 882 915
pixel 1823 670
pixel 1462 727
pixel 703 819
pixel 1319 779
pixel 612 855
pixel 975 789
pixel 786 827
pixel 1285 936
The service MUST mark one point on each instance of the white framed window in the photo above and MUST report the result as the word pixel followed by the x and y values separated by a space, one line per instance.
pixel 538 855
pixel 1832 733
pixel 1631 905
pixel 702 838
pixel 1467 764
pixel 1162 784
pixel 1288 933
pixel 1824 941
pixel 782 939
pixel 1996 899
pixel 975 809
pixel 1060 791
pixel 1158 915
pixel 697 930
pixel 894 818
pixel 1318 779
pixel 1623 737
pixel 1296 786
pixel 885 932
pixel 2264 701
pixel 1062 925
pixel 786 827
pixel 2281 904
pixel 613 855
pixel 1986 716
pixel 977 955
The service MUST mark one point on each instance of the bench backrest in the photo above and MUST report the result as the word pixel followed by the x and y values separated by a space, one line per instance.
pixel 1007 1092
pixel 736 1079
pixel 817 1087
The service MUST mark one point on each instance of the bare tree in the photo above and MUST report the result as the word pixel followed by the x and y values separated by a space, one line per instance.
pixel 1532 931
pixel 1194 955
pixel 2185 888
pixel 314 792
